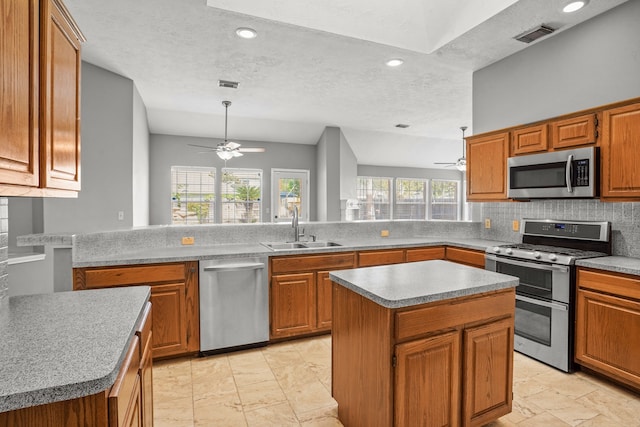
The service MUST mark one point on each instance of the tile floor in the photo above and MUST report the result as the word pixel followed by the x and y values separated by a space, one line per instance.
pixel 289 384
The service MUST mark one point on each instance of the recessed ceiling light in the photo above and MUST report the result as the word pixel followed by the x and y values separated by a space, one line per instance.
pixel 574 6
pixel 246 33
pixel 394 62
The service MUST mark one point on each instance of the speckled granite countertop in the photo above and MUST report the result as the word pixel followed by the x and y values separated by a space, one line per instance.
pixel 65 345
pixel 194 253
pixel 617 264
pixel 405 285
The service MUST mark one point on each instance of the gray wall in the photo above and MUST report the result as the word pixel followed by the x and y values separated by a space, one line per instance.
pixel 107 134
pixel 348 170
pixel 592 64
pixel 140 162
pixel 171 150
pixel 4 252
pixel 388 171
pixel 328 165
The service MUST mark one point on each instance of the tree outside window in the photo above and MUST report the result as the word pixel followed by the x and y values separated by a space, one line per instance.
pixel 192 195
pixel 241 195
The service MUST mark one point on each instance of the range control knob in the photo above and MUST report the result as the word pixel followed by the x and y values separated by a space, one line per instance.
pixel 553 257
pixel 537 255
pixel 496 249
pixel 509 251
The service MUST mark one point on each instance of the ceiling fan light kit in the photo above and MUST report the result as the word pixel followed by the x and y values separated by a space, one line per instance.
pixel 228 149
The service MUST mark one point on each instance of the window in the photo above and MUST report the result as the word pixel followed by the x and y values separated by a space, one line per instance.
pixel 445 199
pixel 374 194
pixel 192 195
pixel 241 195
pixel 411 199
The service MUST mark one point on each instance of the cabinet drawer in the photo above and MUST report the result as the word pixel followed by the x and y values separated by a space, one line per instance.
pixel 425 254
pixel 292 264
pixel 422 321
pixel 393 256
pixel 622 285
pixel 466 256
pixel 106 277
pixel 126 390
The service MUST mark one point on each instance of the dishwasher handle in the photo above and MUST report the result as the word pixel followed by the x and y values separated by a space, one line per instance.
pixel 236 267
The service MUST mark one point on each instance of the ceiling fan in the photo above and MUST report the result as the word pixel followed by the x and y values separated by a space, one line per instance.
pixel 461 163
pixel 228 149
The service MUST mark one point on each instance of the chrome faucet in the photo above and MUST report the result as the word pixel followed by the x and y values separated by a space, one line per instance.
pixel 294 224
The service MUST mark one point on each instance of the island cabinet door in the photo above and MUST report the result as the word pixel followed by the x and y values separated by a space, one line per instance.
pixel 488 372
pixel 427 391
pixel 293 304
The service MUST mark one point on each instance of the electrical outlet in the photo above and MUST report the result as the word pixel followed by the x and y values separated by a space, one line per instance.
pixel 384 233
pixel 188 240
pixel 120 215
pixel 487 223
pixel 515 225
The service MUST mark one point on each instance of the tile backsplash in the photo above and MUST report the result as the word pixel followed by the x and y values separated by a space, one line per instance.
pixel 624 217
pixel 4 251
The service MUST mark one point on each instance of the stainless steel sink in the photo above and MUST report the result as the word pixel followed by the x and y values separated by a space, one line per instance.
pixel 321 244
pixel 286 246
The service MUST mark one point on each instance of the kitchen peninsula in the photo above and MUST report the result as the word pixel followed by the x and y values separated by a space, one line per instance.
pixel 427 342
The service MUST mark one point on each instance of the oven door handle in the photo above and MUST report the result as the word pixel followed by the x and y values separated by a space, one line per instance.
pixel 547 304
pixel 551 267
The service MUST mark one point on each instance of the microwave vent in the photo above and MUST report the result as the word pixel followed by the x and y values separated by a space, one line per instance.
pixel 535 34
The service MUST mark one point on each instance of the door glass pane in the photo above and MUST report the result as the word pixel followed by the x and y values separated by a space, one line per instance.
pixel 290 189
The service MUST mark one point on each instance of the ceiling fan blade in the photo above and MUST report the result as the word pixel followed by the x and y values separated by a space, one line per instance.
pixel 202 146
pixel 251 150
pixel 236 153
pixel 232 145
pixel 444 163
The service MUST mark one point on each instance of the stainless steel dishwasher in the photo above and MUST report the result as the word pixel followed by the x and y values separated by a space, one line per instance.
pixel 234 304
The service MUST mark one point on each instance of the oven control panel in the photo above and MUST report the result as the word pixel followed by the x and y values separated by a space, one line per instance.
pixel 584 230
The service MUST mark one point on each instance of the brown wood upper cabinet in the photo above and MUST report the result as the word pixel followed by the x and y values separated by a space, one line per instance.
pixel 620 154
pixel 530 139
pixel 40 106
pixel 574 132
pixel 487 167
pixel 174 296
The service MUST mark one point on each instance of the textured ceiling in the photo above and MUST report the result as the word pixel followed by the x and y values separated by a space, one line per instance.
pixel 314 64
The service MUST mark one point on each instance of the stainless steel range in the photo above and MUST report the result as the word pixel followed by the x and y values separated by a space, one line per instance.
pixel 545 297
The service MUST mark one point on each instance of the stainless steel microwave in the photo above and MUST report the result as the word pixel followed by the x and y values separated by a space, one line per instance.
pixel 554 175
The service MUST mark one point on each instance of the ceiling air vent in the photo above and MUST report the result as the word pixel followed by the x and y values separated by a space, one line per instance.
pixel 402 126
pixel 535 34
pixel 228 83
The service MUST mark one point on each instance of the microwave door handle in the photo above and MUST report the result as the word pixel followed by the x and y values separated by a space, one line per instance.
pixel 567 173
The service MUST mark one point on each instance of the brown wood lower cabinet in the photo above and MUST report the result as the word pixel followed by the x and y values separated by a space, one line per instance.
pixel 448 363
pixel 608 325
pixel 300 293
pixel 128 402
pixel 174 295
pixel 469 257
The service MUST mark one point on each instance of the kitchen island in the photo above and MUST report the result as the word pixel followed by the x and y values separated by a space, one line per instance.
pixel 427 343
pixel 76 358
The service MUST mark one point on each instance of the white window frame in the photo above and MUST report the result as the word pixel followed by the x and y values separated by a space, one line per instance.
pixel 390 198
pixel 458 199
pixel 213 201
pixel 223 204
pixel 426 204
